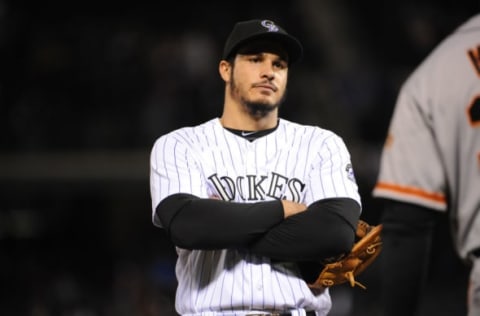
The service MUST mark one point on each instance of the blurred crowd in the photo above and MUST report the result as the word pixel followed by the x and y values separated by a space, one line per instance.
pixel 84 78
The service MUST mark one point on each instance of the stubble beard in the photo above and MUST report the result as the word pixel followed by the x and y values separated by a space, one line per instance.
pixel 255 109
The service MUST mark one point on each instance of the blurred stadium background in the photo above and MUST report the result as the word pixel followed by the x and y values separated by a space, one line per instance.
pixel 85 89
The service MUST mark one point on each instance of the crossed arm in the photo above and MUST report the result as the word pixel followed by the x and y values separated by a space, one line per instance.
pixel 282 230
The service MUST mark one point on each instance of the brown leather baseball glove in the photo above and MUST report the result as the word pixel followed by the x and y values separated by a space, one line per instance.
pixel 365 250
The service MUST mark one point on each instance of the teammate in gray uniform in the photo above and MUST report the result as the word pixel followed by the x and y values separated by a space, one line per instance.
pixel 252 201
pixel 430 165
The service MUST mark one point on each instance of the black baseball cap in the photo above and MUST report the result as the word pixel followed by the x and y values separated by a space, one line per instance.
pixel 247 31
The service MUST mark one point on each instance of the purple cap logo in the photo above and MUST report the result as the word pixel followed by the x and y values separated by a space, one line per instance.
pixel 269 25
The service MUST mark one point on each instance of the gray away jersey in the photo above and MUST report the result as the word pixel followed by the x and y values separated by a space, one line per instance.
pixel 432 153
pixel 295 162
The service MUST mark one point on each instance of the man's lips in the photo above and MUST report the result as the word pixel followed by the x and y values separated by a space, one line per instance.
pixel 266 86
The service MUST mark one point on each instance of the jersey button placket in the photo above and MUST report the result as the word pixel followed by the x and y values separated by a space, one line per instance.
pixel 250 160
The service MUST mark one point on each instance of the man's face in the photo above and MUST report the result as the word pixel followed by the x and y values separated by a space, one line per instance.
pixel 259 77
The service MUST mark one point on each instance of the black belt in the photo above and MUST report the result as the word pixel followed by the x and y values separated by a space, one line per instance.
pixel 310 313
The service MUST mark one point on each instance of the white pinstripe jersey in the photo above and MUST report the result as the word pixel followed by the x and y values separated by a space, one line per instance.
pixel 295 162
pixel 432 154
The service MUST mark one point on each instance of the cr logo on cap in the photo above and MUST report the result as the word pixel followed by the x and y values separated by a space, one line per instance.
pixel 270 26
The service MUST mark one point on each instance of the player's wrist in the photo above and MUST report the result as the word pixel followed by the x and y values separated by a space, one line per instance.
pixel 291 208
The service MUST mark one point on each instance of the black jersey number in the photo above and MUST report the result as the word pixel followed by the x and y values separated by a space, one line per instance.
pixel 474 112
pixel 474 117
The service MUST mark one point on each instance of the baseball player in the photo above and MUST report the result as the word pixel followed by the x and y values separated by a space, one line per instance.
pixel 250 199
pixel 430 164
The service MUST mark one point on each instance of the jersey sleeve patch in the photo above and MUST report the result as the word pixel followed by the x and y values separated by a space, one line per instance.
pixel 350 174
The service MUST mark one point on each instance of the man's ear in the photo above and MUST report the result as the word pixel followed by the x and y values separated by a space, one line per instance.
pixel 225 69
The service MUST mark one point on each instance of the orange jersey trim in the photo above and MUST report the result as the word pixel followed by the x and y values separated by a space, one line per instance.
pixel 436 197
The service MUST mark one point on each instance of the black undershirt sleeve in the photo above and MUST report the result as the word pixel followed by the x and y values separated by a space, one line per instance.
pixel 195 223
pixel 326 229
pixel 407 237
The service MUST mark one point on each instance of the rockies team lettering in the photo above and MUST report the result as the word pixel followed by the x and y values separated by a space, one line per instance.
pixel 258 187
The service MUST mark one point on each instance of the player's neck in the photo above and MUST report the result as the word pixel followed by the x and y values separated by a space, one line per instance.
pixel 248 124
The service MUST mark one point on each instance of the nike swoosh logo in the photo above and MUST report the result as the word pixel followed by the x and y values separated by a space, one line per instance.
pixel 247 133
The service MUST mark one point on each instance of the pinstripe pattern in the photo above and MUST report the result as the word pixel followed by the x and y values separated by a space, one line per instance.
pixel 296 162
